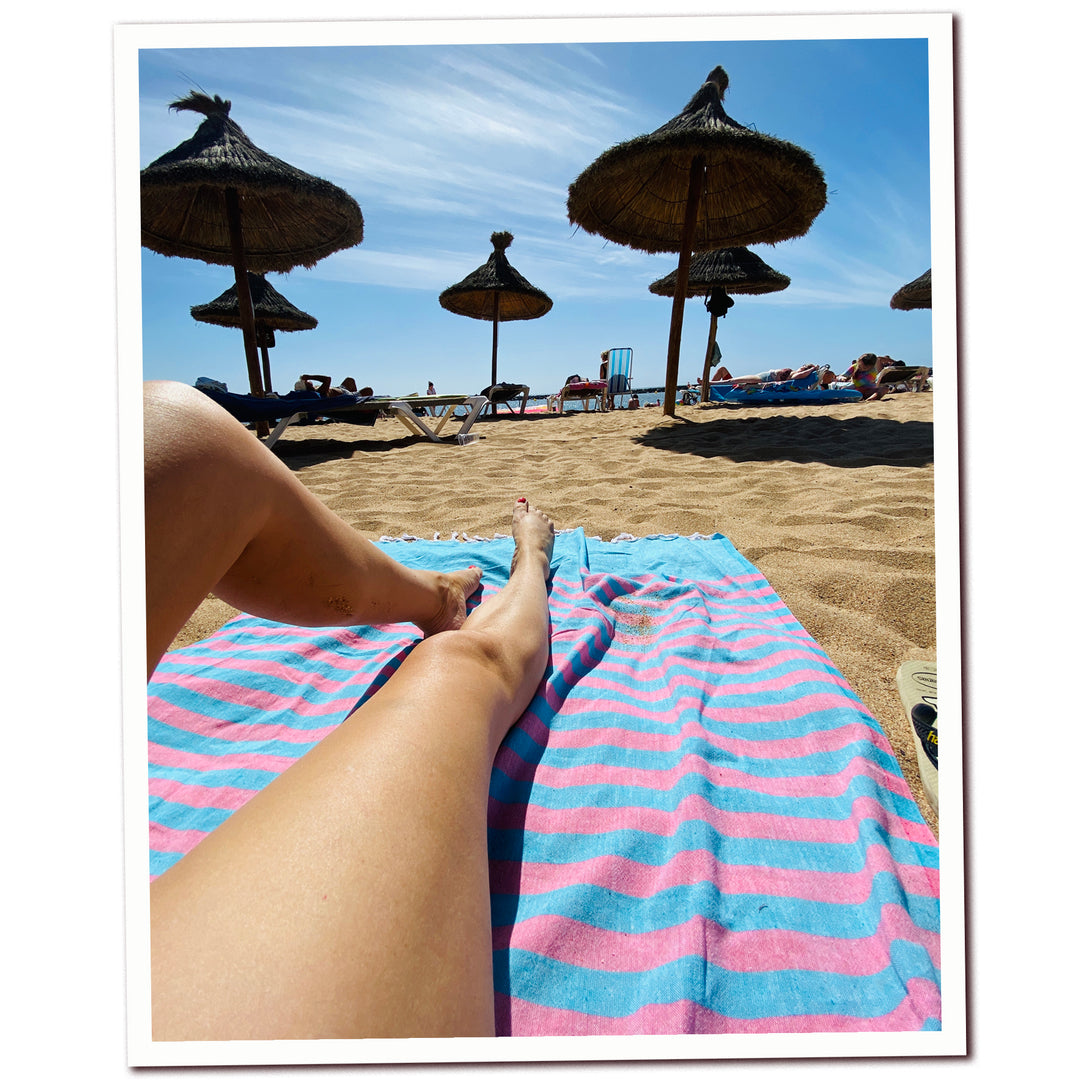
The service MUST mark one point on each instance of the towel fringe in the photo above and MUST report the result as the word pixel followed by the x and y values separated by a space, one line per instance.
pixel 464 537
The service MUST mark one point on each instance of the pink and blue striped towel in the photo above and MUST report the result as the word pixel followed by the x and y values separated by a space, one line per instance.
pixel 696 826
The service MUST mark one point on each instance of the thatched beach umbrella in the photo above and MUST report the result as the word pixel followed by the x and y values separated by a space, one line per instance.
pixel 700 181
pixel 219 198
pixel 729 270
pixel 496 292
pixel 915 294
pixel 271 310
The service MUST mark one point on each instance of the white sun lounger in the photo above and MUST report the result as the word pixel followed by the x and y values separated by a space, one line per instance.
pixel 441 407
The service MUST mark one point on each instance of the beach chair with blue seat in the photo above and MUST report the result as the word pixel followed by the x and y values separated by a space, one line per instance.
pixel 615 370
pixel 289 408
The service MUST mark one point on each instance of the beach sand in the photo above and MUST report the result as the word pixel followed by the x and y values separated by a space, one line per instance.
pixel 833 504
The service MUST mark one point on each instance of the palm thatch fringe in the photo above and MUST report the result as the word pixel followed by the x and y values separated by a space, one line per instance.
pixel 290 218
pixel 757 188
pixel 915 294
pixel 271 309
pixel 735 270
pixel 475 295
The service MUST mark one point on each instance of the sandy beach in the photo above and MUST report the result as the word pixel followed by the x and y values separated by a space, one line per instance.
pixel 834 504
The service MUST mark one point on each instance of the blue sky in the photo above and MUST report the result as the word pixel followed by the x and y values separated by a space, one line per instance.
pixel 443 144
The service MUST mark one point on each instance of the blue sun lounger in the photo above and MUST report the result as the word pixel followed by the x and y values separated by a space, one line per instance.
pixel 351 408
pixel 804 391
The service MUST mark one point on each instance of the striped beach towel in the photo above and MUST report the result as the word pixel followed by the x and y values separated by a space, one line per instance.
pixel 696 826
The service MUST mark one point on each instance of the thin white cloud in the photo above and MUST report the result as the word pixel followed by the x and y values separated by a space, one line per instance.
pixel 577 267
pixel 448 137
pixel 440 146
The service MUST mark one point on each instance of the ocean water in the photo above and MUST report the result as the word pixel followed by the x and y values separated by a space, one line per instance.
pixel 645 397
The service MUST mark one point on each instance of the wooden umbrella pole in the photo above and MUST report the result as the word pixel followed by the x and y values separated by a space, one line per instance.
pixel 682 280
pixel 495 341
pixel 266 370
pixel 243 289
pixel 706 374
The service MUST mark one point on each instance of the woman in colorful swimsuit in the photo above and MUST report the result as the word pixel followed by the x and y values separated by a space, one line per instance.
pixel 863 376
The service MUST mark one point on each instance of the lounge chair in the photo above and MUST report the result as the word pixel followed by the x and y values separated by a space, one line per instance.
pixel 619 362
pixel 909 377
pixel 503 393
pixel 583 390
pixel 437 408
pixel 289 408
pixel 806 390
pixel 350 408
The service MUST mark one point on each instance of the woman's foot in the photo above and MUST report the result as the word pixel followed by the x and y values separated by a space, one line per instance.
pixel 534 539
pixel 455 589
pixel 534 536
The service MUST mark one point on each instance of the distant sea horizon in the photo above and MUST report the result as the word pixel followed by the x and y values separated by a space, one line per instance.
pixel 651 395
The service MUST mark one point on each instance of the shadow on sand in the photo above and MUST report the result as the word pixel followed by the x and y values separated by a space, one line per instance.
pixel 300 453
pixel 846 443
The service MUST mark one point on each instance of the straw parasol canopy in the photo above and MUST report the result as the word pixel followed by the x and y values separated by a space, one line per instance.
pixel 735 270
pixel 272 312
pixel 915 294
pixel 219 198
pixel 730 270
pixel 496 292
pixel 700 181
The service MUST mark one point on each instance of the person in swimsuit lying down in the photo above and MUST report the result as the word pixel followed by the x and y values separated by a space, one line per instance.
pixel 320 384
pixel 349 897
pixel 723 377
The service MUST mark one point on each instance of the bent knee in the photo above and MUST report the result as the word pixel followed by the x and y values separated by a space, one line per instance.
pixel 187 437
pixel 472 654
pixel 465 646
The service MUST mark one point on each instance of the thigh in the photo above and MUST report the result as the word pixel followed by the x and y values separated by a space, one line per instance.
pixel 204 477
pixel 350 897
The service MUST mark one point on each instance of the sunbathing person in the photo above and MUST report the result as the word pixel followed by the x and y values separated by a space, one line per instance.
pixel 317 384
pixel 863 376
pixel 723 377
pixel 350 897
pixel 320 384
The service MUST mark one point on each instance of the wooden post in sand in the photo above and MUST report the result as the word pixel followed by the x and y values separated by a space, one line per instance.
pixel 495 340
pixel 707 374
pixel 243 289
pixel 682 279
pixel 243 298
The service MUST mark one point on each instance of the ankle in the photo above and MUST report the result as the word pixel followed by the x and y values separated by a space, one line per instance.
pixel 449 593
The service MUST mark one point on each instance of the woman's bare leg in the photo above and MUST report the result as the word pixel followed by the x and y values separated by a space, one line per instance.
pixel 740 380
pixel 350 897
pixel 224 515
